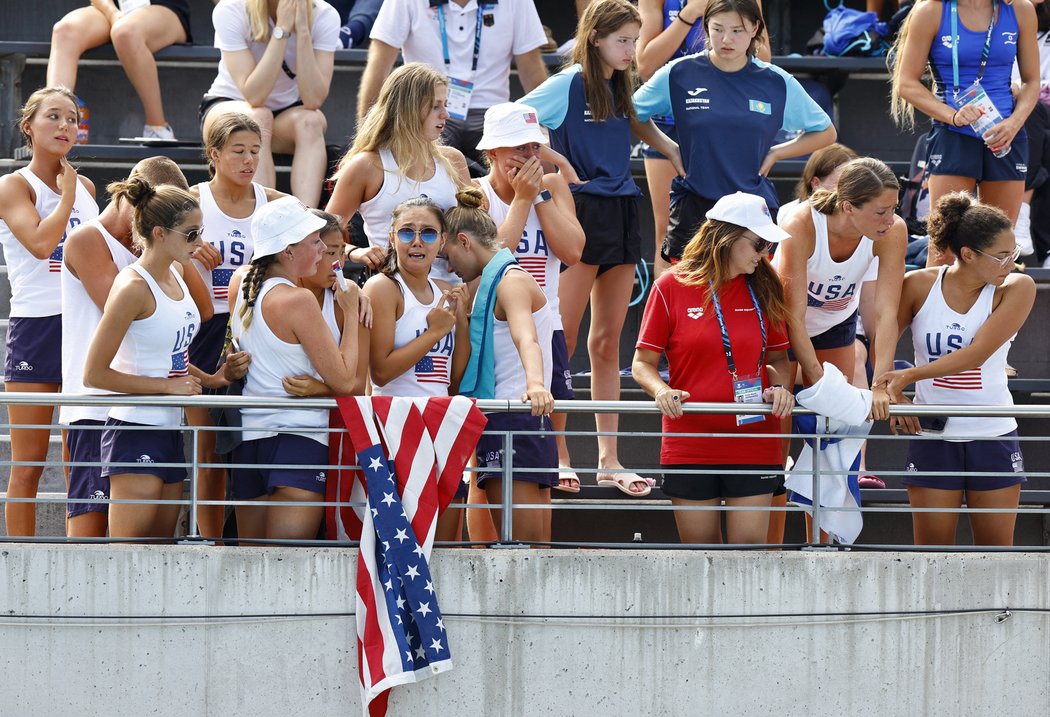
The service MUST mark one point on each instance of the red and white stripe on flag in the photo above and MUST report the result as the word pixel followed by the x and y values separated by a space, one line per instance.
pixel 427 442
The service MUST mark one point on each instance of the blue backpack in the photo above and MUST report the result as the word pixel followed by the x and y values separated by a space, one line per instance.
pixel 854 33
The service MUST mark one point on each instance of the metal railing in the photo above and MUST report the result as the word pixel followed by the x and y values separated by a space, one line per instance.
pixel 507 505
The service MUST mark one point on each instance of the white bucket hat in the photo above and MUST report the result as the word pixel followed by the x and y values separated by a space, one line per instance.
pixel 281 223
pixel 748 211
pixel 510 124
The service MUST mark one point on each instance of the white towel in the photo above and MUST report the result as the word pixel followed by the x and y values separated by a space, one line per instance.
pixel 834 397
pixel 837 461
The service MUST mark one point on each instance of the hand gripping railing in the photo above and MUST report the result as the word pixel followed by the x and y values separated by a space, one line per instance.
pixel 506 527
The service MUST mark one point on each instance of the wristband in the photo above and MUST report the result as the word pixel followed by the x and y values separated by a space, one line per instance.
pixel 690 24
pixel 954 115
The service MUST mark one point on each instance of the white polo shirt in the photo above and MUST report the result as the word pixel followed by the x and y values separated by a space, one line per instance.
pixel 515 29
pixel 233 33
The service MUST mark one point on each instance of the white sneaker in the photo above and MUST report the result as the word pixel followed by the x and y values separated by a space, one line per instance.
pixel 1023 230
pixel 151 132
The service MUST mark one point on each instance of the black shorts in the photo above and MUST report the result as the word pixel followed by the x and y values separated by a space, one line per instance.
pixel 181 8
pixel 611 227
pixel 687 214
pixel 209 101
pixel 712 484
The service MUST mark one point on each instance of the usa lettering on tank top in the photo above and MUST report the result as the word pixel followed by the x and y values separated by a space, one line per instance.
pixel 532 253
pixel 54 261
pixel 833 296
pixel 234 251
pixel 180 350
pixel 434 367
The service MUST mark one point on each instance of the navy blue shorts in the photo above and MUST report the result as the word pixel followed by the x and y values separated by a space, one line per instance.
pixel 561 376
pixel 960 155
pixel 670 130
pixel 86 482
pixel 287 450
pixel 532 451
pixel 838 336
pixel 709 486
pixel 34 350
pixel 957 462
pixel 143 449
pixel 614 236
pixel 206 347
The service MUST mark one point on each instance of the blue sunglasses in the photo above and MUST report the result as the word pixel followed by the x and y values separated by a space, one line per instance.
pixel 407 236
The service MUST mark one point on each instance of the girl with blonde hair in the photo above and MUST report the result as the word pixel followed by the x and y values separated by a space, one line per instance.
pixel 397 156
pixel 277 62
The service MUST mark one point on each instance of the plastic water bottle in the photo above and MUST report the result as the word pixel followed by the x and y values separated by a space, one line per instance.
pixel 84 126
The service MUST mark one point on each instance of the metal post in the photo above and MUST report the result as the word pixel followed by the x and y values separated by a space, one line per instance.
pixel 507 529
pixel 814 537
pixel 192 533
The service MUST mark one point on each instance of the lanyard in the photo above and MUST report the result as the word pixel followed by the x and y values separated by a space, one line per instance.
pixel 725 332
pixel 478 24
pixel 955 43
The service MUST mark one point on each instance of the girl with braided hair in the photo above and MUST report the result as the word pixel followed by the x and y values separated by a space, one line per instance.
pixel 282 327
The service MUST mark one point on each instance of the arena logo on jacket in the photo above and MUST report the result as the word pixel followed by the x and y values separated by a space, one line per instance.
pixel 832 296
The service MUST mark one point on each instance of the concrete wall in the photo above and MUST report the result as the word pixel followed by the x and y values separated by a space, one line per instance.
pixel 625 633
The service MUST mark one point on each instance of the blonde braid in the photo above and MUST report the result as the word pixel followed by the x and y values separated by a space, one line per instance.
pixel 250 287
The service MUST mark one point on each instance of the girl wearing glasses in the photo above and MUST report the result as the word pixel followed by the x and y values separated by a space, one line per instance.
pixel 963 319
pixel 420 338
pixel 719 316
pixel 396 156
pixel 834 237
pixel 141 346
pixel 39 204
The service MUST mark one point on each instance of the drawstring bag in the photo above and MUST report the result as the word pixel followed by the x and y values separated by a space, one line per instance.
pixel 852 33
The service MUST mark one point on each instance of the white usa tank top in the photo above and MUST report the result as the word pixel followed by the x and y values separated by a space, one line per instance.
pixel 158 347
pixel 232 237
pixel 80 317
pixel 328 312
pixel 432 374
pixel 35 284
pixel 833 287
pixel 272 360
pixel 937 331
pixel 510 372
pixel 532 251
pixel 398 188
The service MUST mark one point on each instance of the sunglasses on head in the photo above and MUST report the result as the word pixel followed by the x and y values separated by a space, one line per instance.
pixel 407 236
pixel 191 235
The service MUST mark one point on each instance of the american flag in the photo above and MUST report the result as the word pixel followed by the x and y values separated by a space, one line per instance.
pixel 400 635
pixel 964 381
pixel 536 266
pixel 54 262
pixel 220 283
pixel 180 364
pixel 832 305
pixel 433 368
